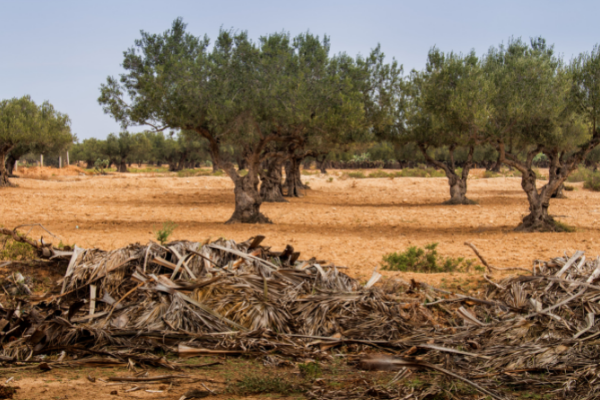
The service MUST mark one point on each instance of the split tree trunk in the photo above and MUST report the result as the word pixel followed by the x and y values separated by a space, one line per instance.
pixel 293 181
pixel 271 189
pixel 458 189
pixel 538 219
pixel 247 200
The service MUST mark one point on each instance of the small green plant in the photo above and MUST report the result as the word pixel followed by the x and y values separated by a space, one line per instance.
pixel 310 371
pixel 100 166
pixel 425 260
pixel 330 179
pixel 162 235
pixel 569 188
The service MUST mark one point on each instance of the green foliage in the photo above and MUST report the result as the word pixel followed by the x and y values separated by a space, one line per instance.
pixel 569 188
pixel 592 181
pixel 562 227
pixel 491 174
pixel 310 370
pixel 380 174
pixel 357 175
pixel 581 174
pixel 426 260
pixel 361 157
pixel 253 385
pixel 422 173
pixel 162 235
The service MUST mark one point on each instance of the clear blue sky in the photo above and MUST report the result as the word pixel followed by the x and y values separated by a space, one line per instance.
pixel 62 51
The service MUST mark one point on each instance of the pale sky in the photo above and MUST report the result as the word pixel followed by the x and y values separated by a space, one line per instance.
pixel 62 51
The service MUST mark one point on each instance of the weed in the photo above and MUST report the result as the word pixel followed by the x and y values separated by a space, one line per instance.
pixel 330 179
pixel 162 235
pixel 424 260
pixel 562 227
pixel 11 250
pixel 310 371
pixel 250 385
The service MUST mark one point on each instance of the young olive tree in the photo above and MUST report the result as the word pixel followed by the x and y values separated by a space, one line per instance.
pixel 26 127
pixel 539 105
pixel 448 109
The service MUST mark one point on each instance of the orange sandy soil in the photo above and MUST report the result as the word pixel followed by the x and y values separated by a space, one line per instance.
pixel 346 221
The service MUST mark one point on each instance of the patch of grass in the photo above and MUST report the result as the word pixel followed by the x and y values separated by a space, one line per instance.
pixel 491 174
pixel 592 181
pixel 252 385
pixel 357 175
pixel 569 188
pixel 148 170
pixel 380 174
pixel 562 227
pixel 330 179
pixel 15 251
pixel 186 173
pixel 421 173
pixel 310 370
pixel 425 260
pixel 162 235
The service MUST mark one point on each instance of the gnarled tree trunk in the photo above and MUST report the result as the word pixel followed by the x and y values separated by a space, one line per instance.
pixel 538 219
pixel 271 189
pixel 322 164
pixel 122 166
pixel 293 182
pixel 458 184
pixel 3 171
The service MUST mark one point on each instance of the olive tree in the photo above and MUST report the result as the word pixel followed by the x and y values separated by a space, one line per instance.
pixel 539 105
pixel 448 109
pixel 26 127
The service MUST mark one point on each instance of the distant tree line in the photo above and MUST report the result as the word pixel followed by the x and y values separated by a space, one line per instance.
pixel 268 106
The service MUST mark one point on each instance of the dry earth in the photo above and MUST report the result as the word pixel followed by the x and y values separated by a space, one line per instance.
pixel 346 221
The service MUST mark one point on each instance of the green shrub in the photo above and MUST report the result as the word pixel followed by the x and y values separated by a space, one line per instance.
pixel 425 260
pixel 186 173
pixel 422 173
pixel 580 175
pixel 592 181
pixel 357 175
pixel 163 234
pixel 379 174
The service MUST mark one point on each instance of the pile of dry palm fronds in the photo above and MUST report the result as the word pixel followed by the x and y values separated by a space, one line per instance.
pixel 223 297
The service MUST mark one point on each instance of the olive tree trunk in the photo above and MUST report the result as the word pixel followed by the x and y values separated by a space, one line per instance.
pixel 4 182
pixel 122 166
pixel 322 164
pixel 458 184
pixel 271 189
pixel 293 181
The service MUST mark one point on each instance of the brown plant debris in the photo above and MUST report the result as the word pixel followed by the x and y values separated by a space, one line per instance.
pixel 126 307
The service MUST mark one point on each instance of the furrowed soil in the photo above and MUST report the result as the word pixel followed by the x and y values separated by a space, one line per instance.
pixel 349 222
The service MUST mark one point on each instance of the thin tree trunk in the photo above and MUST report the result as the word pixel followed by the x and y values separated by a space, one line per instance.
pixel 271 189
pixel 322 164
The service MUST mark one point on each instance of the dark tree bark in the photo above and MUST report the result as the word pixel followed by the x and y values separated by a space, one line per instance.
pixel 458 184
pixel 293 181
pixel 538 219
pixel 271 189
pixel 4 182
pixel 553 172
pixel 122 166
pixel 10 164
pixel 322 163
